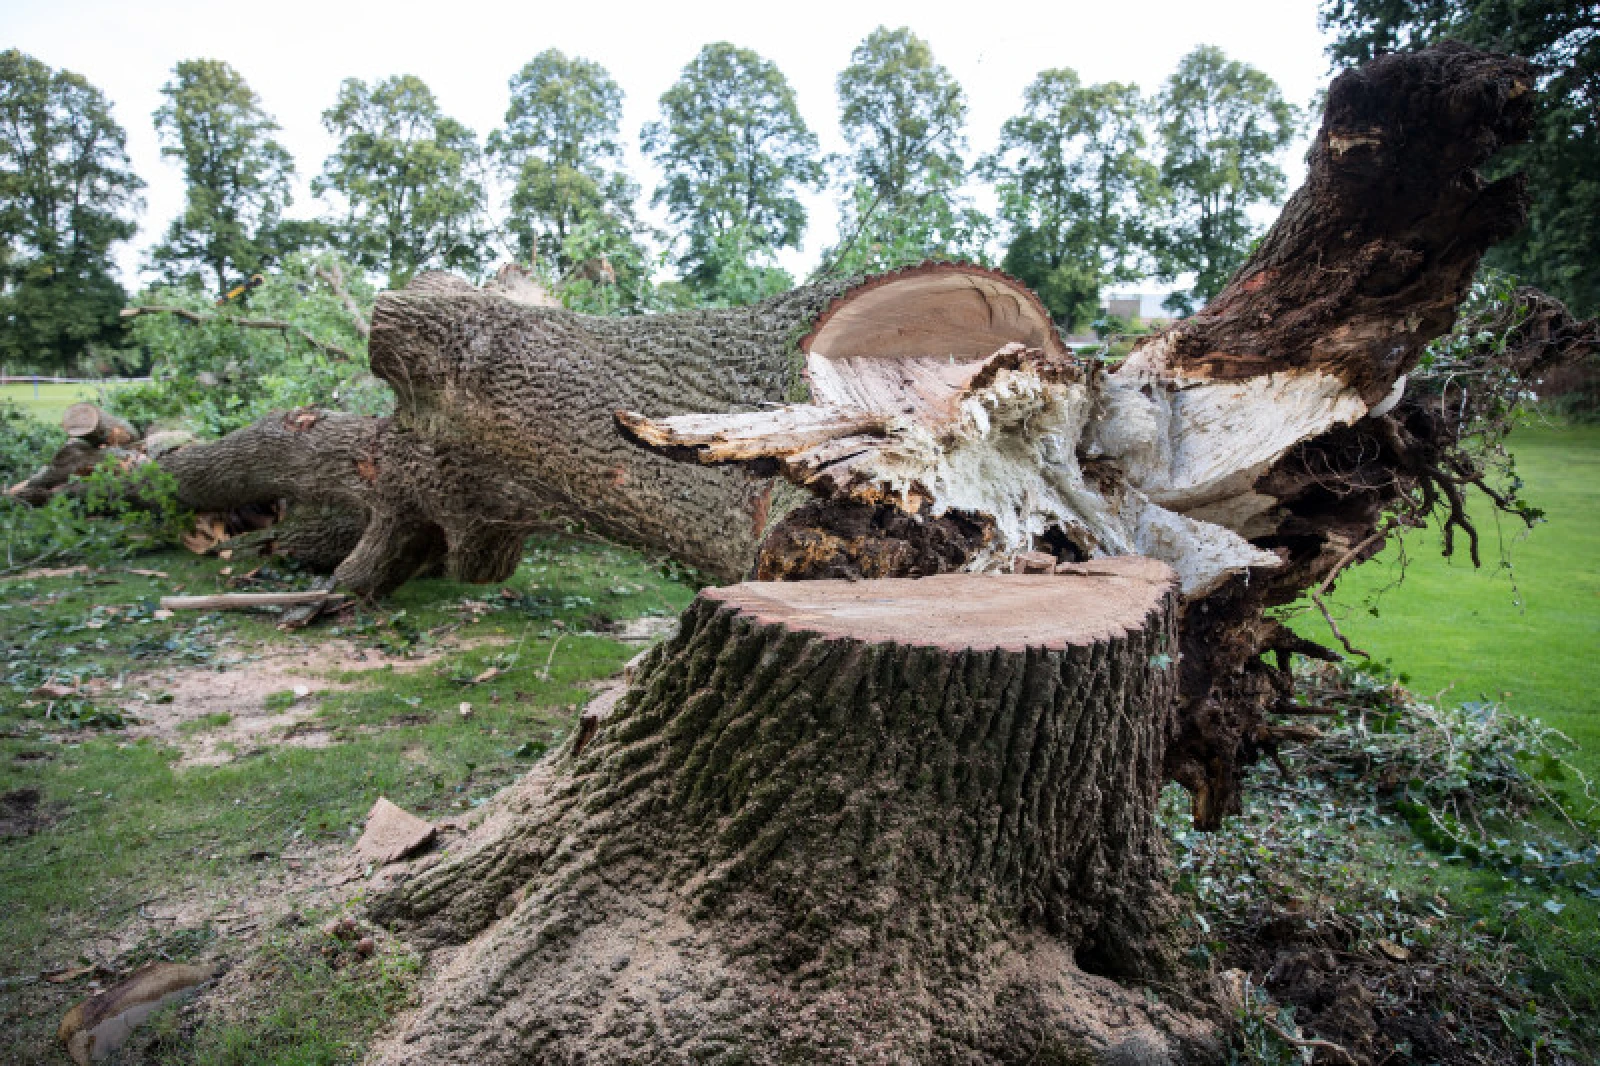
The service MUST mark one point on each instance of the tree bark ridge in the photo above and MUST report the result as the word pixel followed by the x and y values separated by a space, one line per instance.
pixel 798 845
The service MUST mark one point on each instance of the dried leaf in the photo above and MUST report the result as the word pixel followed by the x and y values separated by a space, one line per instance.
pixel 1394 952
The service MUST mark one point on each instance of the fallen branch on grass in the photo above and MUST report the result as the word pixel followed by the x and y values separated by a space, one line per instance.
pixel 244 601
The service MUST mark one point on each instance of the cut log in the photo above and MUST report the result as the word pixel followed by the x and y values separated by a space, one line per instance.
pixel 835 822
pixel 88 423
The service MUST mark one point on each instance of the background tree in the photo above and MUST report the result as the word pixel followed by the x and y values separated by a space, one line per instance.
pixel 1561 244
pixel 734 150
pixel 66 196
pixel 1073 184
pixel 407 174
pixel 237 175
pixel 1222 126
pixel 904 115
pixel 559 149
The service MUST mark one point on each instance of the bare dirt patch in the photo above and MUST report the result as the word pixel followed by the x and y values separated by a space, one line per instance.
pixel 252 694
pixel 23 813
pixel 646 629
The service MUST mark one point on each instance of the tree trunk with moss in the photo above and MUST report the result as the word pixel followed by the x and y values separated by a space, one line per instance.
pixel 835 822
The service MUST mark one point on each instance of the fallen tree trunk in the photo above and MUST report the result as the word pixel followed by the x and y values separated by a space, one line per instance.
pixel 1254 447
pixel 866 819
pixel 938 423
pixel 836 822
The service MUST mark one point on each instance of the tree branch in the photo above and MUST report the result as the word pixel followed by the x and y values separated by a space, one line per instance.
pixel 334 278
pixel 242 323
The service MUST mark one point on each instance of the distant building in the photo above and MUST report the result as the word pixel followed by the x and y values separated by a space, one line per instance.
pixel 1124 307
pixel 1138 307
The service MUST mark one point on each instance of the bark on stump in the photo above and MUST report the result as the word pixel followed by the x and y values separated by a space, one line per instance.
pixel 830 821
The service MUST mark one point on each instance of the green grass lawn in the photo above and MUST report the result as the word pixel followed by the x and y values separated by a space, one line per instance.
pixel 1526 634
pixel 46 402
pixel 129 825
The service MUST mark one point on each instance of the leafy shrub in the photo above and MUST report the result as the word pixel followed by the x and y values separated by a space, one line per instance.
pixel 215 375
pixel 25 443
pixel 116 513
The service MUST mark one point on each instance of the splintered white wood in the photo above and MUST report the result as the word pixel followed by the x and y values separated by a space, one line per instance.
pixel 943 391
pixel 926 388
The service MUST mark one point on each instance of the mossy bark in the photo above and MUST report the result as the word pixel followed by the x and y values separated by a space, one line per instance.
pixel 784 847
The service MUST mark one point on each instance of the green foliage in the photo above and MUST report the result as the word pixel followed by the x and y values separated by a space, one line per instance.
pixel 559 148
pixel 1222 124
pixel 66 195
pixel 612 272
pixel 1559 247
pixel 1261 1031
pixel 118 513
pixel 931 224
pixel 904 116
pixel 237 176
pixel 733 148
pixel 737 267
pixel 213 377
pixel 25 443
pixel 1336 855
pixel 1467 778
pixel 406 174
pixel 1074 186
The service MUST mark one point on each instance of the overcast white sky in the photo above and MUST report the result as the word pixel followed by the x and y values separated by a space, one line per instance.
pixel 295 53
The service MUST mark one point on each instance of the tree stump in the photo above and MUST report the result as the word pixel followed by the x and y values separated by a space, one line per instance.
pixel 832 821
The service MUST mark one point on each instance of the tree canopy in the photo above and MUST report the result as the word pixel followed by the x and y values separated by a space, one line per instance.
pixel 561 152
pixel 904 116
pixel 407 176
pixel 1074 183
pixel 735 151
pixel 1222 124
pixel 66 196
pixel 1560 246
pixel 237 176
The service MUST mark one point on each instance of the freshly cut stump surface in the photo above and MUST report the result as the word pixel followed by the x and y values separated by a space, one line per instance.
pixel 964 612
pixel 896 820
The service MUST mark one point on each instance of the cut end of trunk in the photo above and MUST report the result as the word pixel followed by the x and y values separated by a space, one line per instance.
pixel 88 423
pixel 935 309
pixel 960 612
